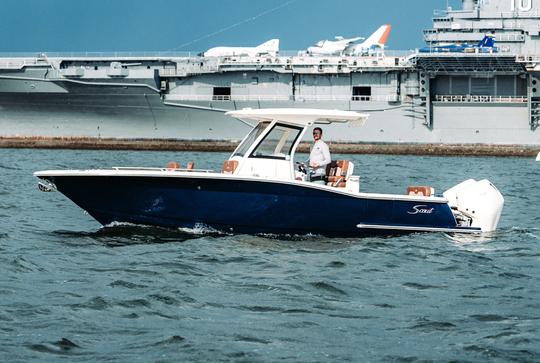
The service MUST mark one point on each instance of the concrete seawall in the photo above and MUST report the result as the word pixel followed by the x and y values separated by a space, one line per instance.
pixel 228 146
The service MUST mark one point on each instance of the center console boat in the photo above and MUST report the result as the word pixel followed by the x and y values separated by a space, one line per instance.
pixel 260 189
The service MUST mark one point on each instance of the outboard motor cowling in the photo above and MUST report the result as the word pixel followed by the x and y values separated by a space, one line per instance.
pixel 479 202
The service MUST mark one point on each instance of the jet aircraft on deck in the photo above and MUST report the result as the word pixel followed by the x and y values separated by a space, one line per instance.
pixel 270 47
pixel 343 46
pixel 486 45
pixel 375 43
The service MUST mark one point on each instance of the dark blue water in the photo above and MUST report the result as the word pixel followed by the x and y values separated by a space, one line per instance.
pixel 72 291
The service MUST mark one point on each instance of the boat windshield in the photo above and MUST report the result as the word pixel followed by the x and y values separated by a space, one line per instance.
pixel 278 143
pixel 242 149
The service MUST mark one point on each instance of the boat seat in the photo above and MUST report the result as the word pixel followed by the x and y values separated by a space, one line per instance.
pixel 229 166
pixel 171 165
pixel 338 172
pixel 420 190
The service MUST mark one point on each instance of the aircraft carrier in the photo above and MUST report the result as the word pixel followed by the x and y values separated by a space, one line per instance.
pixel 440 97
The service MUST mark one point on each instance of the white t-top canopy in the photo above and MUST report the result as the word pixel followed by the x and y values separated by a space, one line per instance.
pixel 300 116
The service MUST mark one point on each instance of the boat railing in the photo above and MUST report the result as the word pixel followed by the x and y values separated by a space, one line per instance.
pixel 133 168
pixel 480 99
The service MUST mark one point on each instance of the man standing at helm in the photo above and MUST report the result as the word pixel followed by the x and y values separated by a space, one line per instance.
pixel 319 157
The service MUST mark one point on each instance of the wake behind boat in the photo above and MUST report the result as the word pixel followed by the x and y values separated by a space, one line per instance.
pixel 260 189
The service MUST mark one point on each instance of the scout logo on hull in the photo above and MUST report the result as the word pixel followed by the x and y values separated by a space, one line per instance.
pixel 521 5
pixel 421 209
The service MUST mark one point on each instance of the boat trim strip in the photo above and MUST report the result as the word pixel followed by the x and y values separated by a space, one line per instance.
pixel 418 229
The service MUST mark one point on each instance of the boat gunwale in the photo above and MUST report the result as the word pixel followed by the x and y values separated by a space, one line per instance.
pixel 164 173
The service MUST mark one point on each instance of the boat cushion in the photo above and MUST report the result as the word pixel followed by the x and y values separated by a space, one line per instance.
pixel 172 165
pixel 336 173
pixel 419 190
pixel 229 166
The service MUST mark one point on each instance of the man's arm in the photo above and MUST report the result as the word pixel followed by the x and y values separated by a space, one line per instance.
pixel 326 155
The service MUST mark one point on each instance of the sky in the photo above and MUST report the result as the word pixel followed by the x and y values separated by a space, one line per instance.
pixel 197 25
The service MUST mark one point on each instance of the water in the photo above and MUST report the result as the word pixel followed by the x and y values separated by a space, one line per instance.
pixel 72 291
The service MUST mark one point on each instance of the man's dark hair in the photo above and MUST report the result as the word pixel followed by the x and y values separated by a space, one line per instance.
pixel 319 129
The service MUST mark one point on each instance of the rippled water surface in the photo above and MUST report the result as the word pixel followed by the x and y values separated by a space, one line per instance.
pixel 73 291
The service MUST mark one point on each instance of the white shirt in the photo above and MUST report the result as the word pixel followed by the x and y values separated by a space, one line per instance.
pixel 320 155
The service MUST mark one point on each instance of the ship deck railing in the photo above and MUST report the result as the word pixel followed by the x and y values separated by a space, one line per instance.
pixel 148 54
pixel 83 54
pixel 444 13
pixel 479 99
pixel 305 64
pixel 12 64
pixel 273 98
pixel 19 63
pixel 528 58
pixel 519 15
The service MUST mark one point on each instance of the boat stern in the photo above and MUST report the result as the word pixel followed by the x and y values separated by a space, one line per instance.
pixel 476 204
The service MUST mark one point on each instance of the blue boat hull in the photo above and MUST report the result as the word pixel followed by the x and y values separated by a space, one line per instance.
pixel 246 206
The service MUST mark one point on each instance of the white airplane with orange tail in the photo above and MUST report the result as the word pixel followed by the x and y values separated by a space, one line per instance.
pixel 375 43
pixel 332 47
pixel 341 46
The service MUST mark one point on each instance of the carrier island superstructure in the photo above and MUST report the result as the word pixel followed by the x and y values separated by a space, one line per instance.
pixel 439 97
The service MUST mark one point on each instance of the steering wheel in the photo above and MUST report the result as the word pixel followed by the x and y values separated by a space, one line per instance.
pixel 301 167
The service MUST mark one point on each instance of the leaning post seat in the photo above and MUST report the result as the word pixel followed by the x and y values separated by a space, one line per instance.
pixel 420 190
pixel 337 173
pixel 171 165
pixel 229 166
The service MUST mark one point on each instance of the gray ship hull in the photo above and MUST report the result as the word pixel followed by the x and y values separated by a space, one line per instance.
pixel 144 116
pixel 109 116
pixel 473 96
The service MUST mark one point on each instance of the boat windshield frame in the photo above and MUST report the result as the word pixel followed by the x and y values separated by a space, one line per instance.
pixel 284 145
pixel 243 148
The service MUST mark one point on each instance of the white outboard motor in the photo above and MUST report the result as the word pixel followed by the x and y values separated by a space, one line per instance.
pixel 476 204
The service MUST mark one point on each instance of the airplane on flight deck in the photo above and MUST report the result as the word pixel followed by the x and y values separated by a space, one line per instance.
pixel 342 46
pixel 270 47
pixel 486 45
pixel 376 42
pixel 331 47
